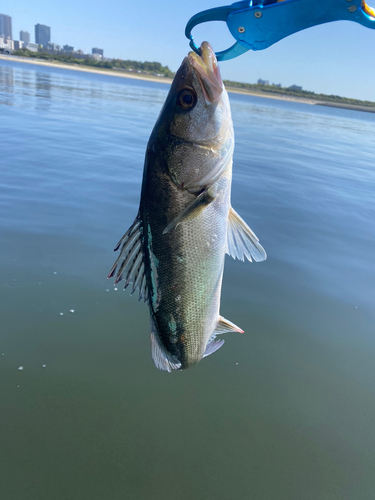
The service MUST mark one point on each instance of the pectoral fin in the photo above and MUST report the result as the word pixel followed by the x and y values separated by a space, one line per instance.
pixel 242 242
pixel 199 204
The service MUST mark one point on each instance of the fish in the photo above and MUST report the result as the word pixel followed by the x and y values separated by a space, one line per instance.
pixel 174 251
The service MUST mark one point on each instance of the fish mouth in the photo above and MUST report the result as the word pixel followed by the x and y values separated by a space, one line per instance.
pixel 208 72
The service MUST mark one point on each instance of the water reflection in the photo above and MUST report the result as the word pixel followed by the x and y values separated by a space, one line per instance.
pixel 43 87
pixel 40 89
pixel 7 85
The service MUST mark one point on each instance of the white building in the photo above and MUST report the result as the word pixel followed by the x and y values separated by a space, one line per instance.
pixel 263 82
pixel 33 47
pixel 53 46
pixel 6 45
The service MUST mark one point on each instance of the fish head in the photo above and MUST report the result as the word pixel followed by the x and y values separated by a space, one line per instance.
pixel 197 101
pixel 197 122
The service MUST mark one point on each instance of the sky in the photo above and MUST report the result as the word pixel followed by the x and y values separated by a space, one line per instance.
pixel 335 58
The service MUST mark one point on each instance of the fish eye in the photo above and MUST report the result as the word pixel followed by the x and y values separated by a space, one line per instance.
pixel 187 99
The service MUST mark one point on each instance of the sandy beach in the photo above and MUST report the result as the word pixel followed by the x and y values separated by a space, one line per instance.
pixel 138 76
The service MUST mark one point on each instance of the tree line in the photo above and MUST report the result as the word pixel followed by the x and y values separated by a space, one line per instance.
pixel 298 93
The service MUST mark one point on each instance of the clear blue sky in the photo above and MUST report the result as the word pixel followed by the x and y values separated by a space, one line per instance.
pixel 336 58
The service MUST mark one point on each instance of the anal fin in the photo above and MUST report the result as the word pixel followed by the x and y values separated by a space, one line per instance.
pixel 223 326
pixel 242 242
pixel 192 210
pixel 162 358
pixel 226 326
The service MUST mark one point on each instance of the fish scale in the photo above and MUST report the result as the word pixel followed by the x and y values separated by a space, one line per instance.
pixel 191 285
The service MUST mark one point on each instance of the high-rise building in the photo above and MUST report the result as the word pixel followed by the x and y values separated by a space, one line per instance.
pixel 25 36
pixel 97 51
pixel 5 27
pixel 42 34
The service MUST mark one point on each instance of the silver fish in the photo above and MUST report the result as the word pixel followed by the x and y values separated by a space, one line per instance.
pixel 174 251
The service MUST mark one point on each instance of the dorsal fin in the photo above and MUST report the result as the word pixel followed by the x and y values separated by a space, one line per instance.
pixel 129 265
pixel 242 242
pixel 162 358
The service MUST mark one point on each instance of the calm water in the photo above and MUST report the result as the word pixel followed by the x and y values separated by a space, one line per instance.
pixel 284 412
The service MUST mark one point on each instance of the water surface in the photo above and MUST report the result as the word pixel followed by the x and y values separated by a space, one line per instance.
pixel 285 411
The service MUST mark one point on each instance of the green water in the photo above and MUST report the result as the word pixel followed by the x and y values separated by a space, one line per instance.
pixel 285 411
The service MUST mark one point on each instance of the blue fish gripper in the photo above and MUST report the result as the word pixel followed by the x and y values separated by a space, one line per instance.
pixel 258 24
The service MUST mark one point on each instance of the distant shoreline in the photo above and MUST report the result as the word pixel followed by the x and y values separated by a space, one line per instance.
pixel 269 95
pixel 75 67
pixel 303 100
pixel 151 78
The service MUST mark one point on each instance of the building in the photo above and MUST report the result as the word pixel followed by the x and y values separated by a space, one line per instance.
pixel 33 47
pixel 295 87
pixel 54 47
pixel 263 82
pixel 97 51
pixel 79 54
pixel 24 36
pixel 68 48
pixel 6 44
pixel 6 27
pixel 42 34
pixel 18 44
